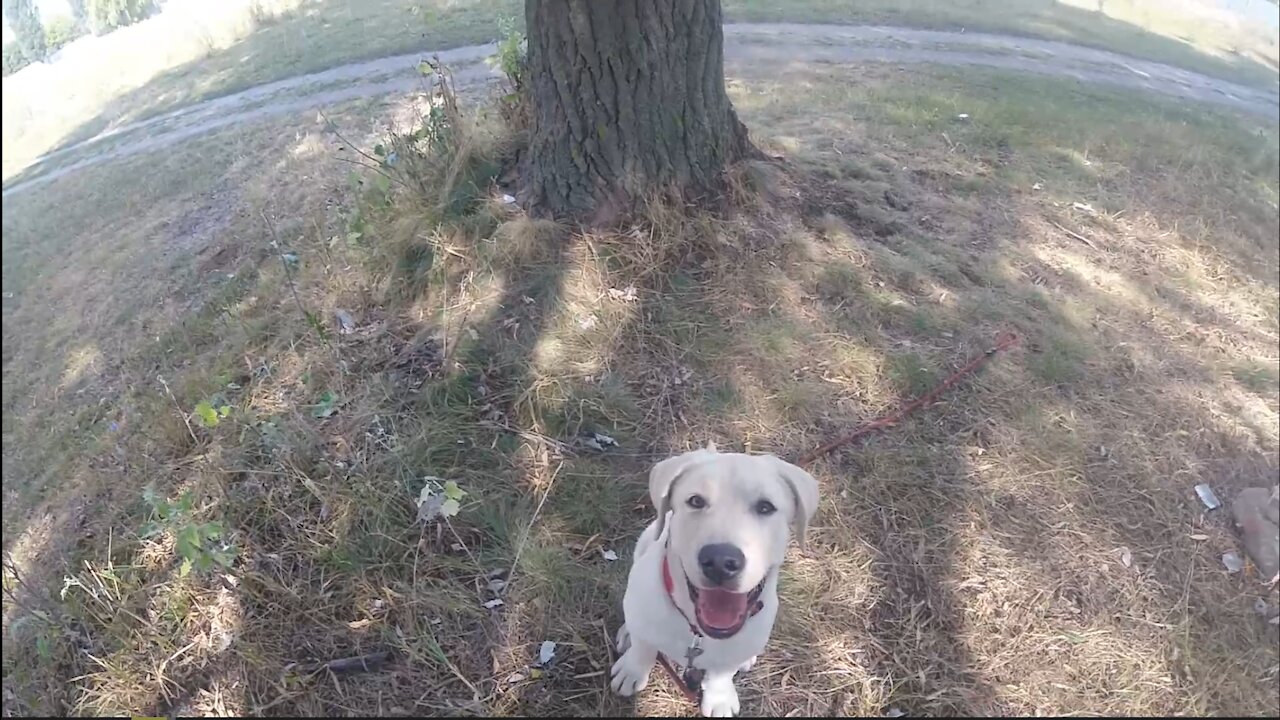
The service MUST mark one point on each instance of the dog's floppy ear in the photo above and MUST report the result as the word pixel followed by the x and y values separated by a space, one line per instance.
pixel 663 476
pixel 804 491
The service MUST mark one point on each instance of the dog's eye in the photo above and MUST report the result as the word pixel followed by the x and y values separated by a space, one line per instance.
pixel 764 507
pixel 697 502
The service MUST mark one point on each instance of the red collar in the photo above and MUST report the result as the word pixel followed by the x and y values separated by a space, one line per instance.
pixel 667 582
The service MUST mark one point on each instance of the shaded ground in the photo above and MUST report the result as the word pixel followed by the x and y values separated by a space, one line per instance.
pixel 745 45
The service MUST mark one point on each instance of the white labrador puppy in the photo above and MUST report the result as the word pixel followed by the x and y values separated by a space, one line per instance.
pixel 703 583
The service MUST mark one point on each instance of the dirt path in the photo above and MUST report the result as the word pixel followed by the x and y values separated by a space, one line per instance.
pixel 745 44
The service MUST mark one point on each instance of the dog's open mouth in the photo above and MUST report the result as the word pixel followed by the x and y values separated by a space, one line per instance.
pixel 721 613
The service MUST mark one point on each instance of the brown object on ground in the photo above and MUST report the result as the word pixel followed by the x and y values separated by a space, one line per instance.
pixel 1004 341
pixel 628 98
pixel 359 663
pixel 1256 511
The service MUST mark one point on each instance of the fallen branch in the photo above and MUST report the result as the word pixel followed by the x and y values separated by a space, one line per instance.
pixel 1004 341
pixel 1075 235
pixel 359 663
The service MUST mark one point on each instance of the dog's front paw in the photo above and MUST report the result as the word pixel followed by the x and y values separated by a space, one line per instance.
pixel 630 673
pixel 719 700
pixel 748 664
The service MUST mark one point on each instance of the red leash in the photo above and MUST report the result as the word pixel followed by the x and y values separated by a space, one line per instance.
pixel 693 696
pixel 1004 341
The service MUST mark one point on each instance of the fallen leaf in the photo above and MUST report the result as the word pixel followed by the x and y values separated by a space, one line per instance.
pixel 494 603
pixel 357 624
pixel 224 639
pixel 514 678
pixel 430 508
pixel 1126 557
pixel 1233 562
pixel 1207 496
pixel 433 504
pixel 627 294
pixel 1199 537
pixel 346 323
pixel 546 652
pixel 609 554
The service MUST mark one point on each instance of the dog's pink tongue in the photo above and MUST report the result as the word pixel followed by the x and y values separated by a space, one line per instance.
pixel 720 608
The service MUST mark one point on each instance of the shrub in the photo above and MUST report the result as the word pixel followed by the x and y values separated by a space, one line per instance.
pixel 60 31
pixel 14 60
pixel 25 22
pixel 107 15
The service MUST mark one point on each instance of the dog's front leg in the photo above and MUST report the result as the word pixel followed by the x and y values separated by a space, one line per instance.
pixel 719 696
pixel 631 671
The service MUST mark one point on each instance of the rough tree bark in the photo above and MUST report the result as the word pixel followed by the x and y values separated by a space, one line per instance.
pixel 628 96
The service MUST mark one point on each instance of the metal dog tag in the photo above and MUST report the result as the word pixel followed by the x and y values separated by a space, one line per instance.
pixel 695 649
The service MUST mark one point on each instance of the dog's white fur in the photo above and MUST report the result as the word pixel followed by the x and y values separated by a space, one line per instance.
pixel 732 484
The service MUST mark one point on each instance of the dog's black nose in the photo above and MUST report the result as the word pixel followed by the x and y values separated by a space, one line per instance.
pixel 721 562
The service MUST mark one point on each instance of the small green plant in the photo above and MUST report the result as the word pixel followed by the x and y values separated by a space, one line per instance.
pixel 195 542
pixel 326 405
pixel 512 50
pixel 210 412
pixel 512 60
pixel 439 498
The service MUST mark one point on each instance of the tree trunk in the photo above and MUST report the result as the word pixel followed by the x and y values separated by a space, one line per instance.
pixel 628 98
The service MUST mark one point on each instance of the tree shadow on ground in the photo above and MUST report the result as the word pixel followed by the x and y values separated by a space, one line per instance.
pixel 964 562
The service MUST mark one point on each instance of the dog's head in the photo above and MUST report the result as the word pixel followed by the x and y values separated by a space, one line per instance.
pixel 731 516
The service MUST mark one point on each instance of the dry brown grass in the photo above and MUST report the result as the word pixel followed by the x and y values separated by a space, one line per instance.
pixel 968 561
